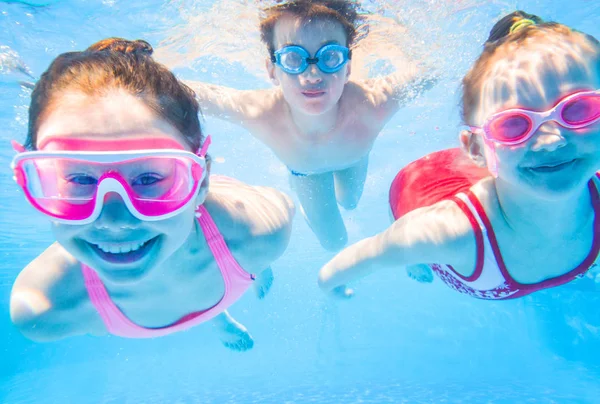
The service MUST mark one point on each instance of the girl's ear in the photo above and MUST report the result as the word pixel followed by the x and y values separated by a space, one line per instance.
pixel 472 144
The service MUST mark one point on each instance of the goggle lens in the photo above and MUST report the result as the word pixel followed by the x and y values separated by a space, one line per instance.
pixel 295 59
pixel 332 59
pixel 67 188
pixel 291 60
pixel 582 110
pixel 510 127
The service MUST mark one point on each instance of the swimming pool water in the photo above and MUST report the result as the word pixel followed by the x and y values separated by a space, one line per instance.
pixel 396 342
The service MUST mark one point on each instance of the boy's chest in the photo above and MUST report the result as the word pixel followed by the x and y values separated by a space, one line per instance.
pixel 336 150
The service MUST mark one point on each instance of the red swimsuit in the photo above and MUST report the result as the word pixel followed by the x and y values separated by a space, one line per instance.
pixel 449 174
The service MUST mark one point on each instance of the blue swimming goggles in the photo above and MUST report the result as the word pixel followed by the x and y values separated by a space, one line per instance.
pixel 294 59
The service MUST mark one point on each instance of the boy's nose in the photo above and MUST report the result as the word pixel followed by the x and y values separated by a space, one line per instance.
pixel 312 74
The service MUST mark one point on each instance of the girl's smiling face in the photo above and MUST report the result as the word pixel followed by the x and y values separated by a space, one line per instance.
pixel 555 161
pixel 119 246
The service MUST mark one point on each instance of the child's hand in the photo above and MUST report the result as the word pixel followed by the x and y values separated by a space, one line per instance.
pixel 342 292
pixel 327 284
pixel 11 63
pixel 420 273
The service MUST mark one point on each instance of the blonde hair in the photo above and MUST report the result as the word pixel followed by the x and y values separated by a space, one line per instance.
pixel 513 32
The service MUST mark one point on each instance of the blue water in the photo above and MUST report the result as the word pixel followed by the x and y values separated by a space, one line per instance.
pixel 397 341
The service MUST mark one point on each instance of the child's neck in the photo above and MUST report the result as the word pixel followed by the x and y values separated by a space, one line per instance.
pixel 563 218
pixel 315 125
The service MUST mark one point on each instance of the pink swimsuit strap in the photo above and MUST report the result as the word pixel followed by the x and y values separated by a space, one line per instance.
pixel 235 278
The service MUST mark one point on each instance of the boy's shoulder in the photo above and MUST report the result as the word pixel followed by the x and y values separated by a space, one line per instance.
pixel 260 104
pixel 369 94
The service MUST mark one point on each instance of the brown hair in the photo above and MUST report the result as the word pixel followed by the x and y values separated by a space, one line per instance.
pixel 344 12
pixel 117 63
pixel 504 34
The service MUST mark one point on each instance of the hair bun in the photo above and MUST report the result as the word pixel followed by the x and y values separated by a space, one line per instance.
pixel 512 23
pixel 138 46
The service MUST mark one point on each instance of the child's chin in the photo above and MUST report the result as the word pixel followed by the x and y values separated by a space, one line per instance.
pixel 124 276
pixel 316 109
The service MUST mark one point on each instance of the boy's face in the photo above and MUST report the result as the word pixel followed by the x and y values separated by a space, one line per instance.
pixel 311 92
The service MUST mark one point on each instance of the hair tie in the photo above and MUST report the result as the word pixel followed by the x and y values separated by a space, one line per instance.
pixel 522 23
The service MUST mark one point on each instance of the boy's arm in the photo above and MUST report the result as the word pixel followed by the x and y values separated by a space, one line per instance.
pixel 236 106
pixel 389 93
pixel 437 234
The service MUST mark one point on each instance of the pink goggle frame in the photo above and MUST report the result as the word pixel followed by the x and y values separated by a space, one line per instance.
pixel 516 126
pixel 68 179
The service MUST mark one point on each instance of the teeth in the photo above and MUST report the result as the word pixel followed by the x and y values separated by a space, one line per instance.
pixel 120 248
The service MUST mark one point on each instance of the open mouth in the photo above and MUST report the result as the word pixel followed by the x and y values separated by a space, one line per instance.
pixel 123 253
pixel 552 167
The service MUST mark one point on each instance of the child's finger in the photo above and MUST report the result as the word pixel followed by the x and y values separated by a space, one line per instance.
pixel 342 292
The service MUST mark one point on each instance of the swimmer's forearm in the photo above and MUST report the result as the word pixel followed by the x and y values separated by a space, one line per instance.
pixel 215 100
pixel 241 107
pixel 412 81
pixel 357 261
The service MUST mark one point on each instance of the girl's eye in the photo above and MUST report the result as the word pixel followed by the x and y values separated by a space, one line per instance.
pixel 147 179
pixel 82 179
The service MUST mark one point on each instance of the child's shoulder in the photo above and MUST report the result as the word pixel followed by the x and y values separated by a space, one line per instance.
pixel 256 217
pixel 370 95
pixel 247 207
pixel 45 292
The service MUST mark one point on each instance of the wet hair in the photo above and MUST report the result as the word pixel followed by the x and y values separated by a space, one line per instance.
pixel 344 12
pixel 117 64
pixel 515 29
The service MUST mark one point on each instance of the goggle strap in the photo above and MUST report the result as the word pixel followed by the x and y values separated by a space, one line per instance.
pixel 204 148
pixel 18 147
pixel 490 157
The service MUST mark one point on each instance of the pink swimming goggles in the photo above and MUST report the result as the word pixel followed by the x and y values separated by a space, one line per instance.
pixel 155 176
pixel 516 126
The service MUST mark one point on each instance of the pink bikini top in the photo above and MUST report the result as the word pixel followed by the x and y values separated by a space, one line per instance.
pixel 236 281
pixel 491 280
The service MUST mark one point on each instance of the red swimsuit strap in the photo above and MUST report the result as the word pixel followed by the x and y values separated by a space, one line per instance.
pixel 551 282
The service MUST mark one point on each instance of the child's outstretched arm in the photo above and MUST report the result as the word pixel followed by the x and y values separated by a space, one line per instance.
pixel 410 82
pixel 435 234
pixel 237 106
pixel 389 93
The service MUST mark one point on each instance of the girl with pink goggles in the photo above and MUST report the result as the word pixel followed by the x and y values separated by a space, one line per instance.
pixel 516 126
pixel 155 177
